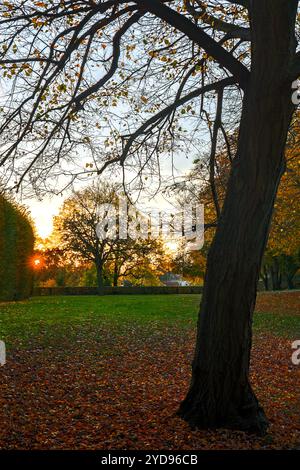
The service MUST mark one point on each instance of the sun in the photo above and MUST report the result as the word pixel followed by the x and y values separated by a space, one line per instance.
pixel 37 263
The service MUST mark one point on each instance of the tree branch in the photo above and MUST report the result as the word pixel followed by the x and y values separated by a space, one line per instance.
pixel 115 61
pixel 168 110
pixel 196 34
pixel 212 159
pixel 232 30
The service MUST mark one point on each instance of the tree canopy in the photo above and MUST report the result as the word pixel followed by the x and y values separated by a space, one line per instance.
pixel 75 228
pixel 124 82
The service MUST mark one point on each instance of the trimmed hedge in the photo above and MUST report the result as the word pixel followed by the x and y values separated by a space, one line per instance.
pixel 16 248
pixel 109 290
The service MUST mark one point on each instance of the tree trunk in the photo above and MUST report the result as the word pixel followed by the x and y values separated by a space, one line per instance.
pixel 290 268
pixel 100 283
pixel 220 394
pixel 265 277
pixel 276 274
pixel 290 281
pixel 116 273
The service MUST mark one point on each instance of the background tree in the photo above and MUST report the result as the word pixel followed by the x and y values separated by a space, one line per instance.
pixel 147 53
pixel 113 258
pixel 52 267
pixel 281 261
pixel 190 265
pixel 139 261
pixel 77 223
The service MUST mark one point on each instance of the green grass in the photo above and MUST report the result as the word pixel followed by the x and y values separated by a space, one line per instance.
pixel 60 320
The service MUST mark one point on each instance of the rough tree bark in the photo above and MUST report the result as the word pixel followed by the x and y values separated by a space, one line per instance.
pixel 220 393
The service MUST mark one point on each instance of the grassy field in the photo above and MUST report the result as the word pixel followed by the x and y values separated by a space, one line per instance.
pixel 47 319
pixel 109 372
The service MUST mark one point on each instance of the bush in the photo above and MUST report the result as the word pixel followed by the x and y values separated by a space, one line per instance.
pixel 16 248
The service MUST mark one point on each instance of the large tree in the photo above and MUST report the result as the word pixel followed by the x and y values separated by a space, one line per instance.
pixel 70 61
pixel 75 228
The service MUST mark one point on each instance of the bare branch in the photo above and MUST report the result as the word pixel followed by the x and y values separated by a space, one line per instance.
pixel 196 34
pixel 169 109
pixel 115 62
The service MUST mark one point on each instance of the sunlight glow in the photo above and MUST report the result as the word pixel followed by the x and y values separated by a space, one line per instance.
pixel 42 213
pixel 172 246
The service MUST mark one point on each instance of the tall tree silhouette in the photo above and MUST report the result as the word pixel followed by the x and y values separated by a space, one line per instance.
pixel 71 60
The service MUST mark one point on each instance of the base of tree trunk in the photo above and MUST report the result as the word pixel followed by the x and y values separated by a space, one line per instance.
pixel 200 411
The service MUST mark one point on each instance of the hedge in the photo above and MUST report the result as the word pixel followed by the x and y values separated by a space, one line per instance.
pixel 16 249
pixel 110 290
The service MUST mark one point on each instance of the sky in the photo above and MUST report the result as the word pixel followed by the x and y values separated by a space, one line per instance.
pixel 43 211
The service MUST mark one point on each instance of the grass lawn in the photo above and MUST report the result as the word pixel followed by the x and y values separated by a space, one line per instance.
pixel 109 372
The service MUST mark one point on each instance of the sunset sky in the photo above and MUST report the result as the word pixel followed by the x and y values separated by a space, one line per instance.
pixel 43 211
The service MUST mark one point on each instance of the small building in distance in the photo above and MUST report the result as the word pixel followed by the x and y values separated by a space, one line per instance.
pixel 171 279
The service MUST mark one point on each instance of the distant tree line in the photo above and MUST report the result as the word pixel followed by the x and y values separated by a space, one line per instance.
pixel 16 248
